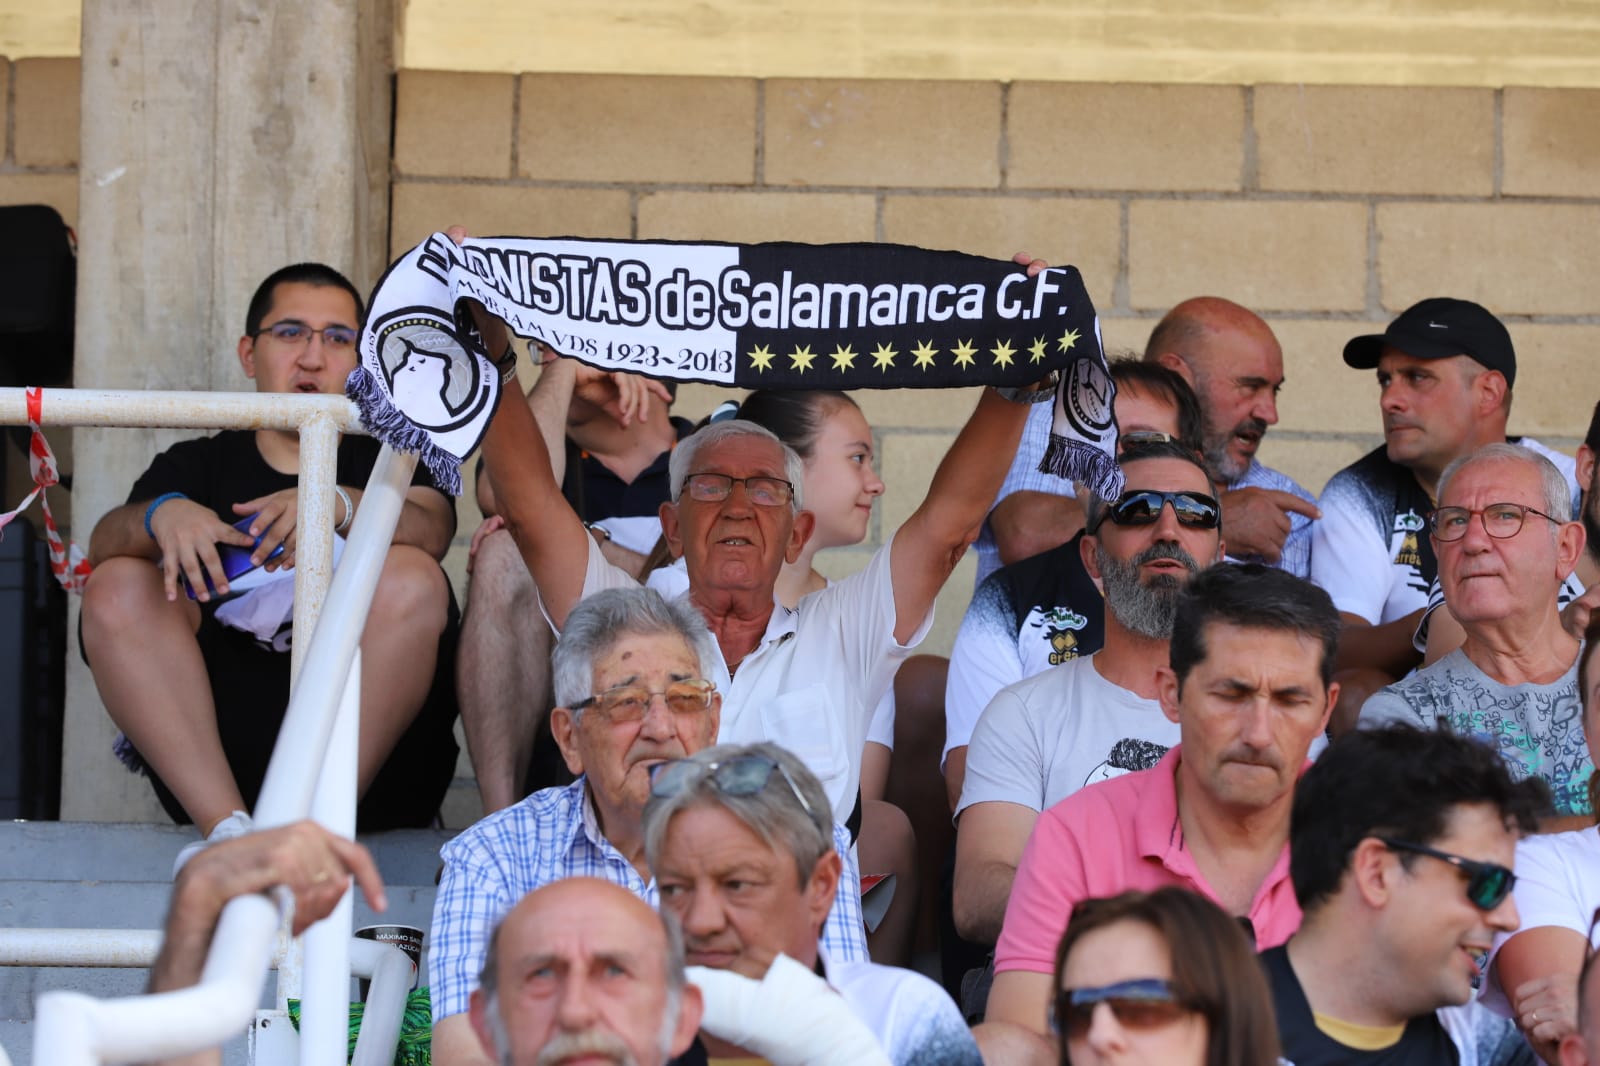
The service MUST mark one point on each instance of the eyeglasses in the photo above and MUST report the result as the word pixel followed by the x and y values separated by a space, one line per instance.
pixel 1500 520
pixel 743 775
pixel 1135 437
pixel 630 703
pixel 1488 883
pixel 714 488
pixel 1142 507
pixel 299 334
pixel 1145 1003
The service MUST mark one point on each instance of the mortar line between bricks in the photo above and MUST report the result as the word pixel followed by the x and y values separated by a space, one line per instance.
pixel 1310 197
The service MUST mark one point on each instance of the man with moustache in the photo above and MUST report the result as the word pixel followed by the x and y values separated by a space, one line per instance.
pixel 1046 610
pixel 1445 369
pixel 584 970
pixel 1250 686
pixel 1096 717
pixel 1231 359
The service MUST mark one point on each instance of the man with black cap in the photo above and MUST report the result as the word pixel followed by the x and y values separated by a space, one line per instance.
pixel 1445 371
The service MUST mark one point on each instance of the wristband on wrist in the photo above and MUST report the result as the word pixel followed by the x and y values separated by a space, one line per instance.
pixel 349 510
pixel 149 512
pixel 507 364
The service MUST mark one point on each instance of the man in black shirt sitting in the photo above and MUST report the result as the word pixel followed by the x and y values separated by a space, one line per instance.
pixel 1400 849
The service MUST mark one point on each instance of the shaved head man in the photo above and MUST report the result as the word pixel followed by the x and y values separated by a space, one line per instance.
pixel 1229 355
pixel 583 970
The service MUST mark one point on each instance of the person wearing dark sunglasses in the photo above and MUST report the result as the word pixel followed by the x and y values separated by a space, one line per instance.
pixel 1401 849
pixel 1160 977
pixel 1095 717
pixel 740 839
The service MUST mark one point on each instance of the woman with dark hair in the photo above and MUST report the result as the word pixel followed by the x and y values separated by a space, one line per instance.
pixel 1162 977
pixel 1533 973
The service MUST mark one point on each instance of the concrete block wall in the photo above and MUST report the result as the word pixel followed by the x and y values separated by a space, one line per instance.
pixel 1326 208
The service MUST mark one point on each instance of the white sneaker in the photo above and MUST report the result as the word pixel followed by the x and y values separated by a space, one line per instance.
pixel 234 825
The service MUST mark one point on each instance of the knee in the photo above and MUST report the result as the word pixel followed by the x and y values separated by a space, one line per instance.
pixel 121 594
pixel 501 583
pixel 411 586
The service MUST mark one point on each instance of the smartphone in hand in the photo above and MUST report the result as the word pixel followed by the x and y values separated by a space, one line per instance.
pixel 235 560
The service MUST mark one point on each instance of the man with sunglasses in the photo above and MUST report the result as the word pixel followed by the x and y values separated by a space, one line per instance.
pixel 1250 686
pixel 1046 610
pixel 1095 717
pixel 191 656
pixel 629 675
pixel 1401 844
pixel 738 837
pixel 1445 371
pixel 1504 547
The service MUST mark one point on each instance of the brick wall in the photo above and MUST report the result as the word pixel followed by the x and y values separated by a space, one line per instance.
pixel 1327 208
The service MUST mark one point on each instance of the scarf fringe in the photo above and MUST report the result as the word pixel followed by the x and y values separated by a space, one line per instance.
pixel 385 422
pixel 1079 461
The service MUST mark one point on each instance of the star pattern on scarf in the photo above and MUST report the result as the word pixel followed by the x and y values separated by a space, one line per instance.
pixel 883 357
pixel 760 357
pixel 1003 352
pixel 844 357
pixel 964 351
pixel 923 354
pixel 1036 350
pixel 1068 339
pixel 802 358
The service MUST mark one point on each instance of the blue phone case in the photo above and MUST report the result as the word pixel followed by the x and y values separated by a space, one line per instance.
pixel 235 560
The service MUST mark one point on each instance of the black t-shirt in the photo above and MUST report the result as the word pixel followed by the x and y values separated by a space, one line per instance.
pixel 596 493
pixel 226 469
pixel 1424 1042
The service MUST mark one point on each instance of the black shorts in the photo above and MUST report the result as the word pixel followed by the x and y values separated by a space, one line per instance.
pixel 250 689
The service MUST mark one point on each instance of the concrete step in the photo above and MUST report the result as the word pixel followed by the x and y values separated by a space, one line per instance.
pixel 109 876
pixel 89 851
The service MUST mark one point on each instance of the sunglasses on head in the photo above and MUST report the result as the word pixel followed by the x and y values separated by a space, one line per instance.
pixel 1145 1003
pixel 1488 883
pixel 743 775
pixel 1142 507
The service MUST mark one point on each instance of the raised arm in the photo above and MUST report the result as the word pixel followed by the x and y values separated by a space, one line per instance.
pixel 933 539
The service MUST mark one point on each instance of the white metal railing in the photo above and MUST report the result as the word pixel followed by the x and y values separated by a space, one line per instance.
pixel 312 770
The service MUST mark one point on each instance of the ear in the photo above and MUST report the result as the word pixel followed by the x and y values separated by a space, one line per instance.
pixel 1585 467
pixel 1167 692
pixel 1222 550
pixel 1086 552
pixel 564 728
pixel 1333 701
pixel 1372 872
pixel 1570 539
pixel 478 1011
pixel 670 529
pixel 1174 362
pixel 1491 387
pixel 714 717
pixel 799 533
pixel 247 356
pixel 691 1008
pixel 822 887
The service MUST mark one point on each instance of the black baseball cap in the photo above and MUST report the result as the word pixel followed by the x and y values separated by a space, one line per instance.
pixel 1438 328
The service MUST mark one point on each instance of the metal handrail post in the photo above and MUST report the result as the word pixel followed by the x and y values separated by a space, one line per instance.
pixel 325 1004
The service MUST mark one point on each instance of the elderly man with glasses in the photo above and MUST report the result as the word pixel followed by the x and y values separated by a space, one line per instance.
pixel 1401 844
pixel 629 675
pixel 739 838
pixel 1505 546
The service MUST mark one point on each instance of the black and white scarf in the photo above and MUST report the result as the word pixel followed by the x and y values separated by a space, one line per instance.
pixel 798 316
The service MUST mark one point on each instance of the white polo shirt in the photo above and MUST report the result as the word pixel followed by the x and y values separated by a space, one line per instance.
pixel 818 674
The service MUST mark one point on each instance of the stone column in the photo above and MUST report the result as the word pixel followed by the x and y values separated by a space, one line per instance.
pixel 221 139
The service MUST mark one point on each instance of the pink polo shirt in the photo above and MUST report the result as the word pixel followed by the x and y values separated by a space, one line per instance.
pixel 1111 837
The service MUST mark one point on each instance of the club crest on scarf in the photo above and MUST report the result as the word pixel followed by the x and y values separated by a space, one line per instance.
pixel 778 315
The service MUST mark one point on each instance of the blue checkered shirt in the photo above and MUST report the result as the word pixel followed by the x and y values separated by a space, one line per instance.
pixel 548 836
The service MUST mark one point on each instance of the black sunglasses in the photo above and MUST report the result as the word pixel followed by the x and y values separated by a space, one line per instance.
pixel 1145 1003
pixel 1142 507
pixel 1488 883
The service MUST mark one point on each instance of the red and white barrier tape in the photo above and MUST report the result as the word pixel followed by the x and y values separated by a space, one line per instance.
pixel 67 560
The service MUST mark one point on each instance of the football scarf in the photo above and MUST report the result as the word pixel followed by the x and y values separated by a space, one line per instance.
pixel 785 316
